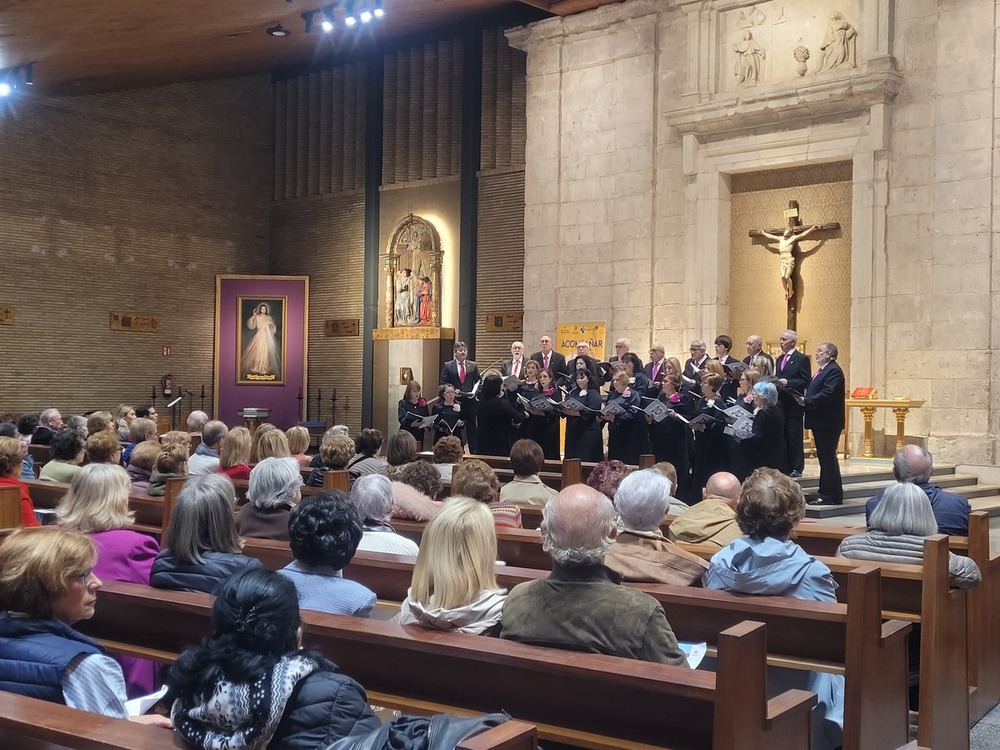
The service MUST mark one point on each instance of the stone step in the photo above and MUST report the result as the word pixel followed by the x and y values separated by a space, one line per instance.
pixel 849 477
pixel 955 483
pixel 981 497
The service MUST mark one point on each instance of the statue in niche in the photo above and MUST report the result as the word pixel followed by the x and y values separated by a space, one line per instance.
pixel 840 44
pixel 749 56
pixel 413 274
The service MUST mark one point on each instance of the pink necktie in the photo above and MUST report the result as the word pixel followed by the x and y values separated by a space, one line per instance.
pixel 517 367
pixel 656 370
pixel 545 362
pixel 784 361
pixel 461 372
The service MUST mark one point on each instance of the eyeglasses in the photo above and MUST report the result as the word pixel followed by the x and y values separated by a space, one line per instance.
pixel 83 577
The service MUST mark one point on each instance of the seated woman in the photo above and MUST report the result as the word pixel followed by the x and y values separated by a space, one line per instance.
pixel 179 437
pixel 584 431
pixel 372 497
pixel 324 532
pixel 415 488
pixel 201 547
pixel 234 455
pixel 171 462
pixel 628 436
pixel 141 464
pixel 668 470
pixel 641 553
pixel 368 446
pixel 124 416
pixel 606 476
pixel 275 487
pixel 97 505
pixel 896 532
pixel 475 479
pixel 334 453
pixel 298 443
pixel 272 444
pixel 767 562
pixel 12 453
pixel 448 414
pixel 66 451
pixel 526 459
pixel 412 405
pixel 448 451
pixel 338 430
pixel 47 584
pixel 401 449
pixel 496 417
pixel 251 685
pixel 100 421
pixel 103 448
pixel 454 583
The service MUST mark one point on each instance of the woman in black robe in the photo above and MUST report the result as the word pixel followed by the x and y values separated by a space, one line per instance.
pixel 584 431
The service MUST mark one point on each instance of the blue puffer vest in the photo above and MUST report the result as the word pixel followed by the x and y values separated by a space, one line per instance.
pixel 34 654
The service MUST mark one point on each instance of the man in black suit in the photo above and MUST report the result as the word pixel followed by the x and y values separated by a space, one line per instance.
pixel 755 348
pixel 622 347
pixel 695 363
pixel 824 405
pixel 792 373
pixel 515 365
pixel 654 370
pixel 49 424
pixel 463 374
pixel 723 345
pixel 550 358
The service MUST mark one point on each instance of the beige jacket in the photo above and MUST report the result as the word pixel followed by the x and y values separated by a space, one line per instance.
pixel 526 491
pixel 711 521
pixel 647 557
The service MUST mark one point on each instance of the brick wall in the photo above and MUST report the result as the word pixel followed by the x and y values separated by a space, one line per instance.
pixel 129 201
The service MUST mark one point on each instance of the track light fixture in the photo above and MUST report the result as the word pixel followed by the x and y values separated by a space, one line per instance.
pixel 367 11
pixel 17 77
pixel 279 31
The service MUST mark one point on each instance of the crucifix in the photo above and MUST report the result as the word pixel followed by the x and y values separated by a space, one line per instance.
pixel 788 239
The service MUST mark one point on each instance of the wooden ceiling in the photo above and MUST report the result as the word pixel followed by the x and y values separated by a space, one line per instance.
pixel 87 46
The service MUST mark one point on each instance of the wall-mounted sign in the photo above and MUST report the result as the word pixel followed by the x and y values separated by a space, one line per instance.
pixel 136 322
pixel 6 315
pixel 341 327
pixel 509 322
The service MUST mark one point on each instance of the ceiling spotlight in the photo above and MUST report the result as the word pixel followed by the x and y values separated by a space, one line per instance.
pixel 378 12
pixel 328 19
pixel 278 30
pixel 5 89
pixel 366 16
pixel 349 18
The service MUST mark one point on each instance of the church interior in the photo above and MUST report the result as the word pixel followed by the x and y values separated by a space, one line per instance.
pixel 300 206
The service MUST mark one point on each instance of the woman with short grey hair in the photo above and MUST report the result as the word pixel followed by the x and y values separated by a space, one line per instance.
pixel 275 488
pixel 766 446
pixel 896 532
pixel 372 497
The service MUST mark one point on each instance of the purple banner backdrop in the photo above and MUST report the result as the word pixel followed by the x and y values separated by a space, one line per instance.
pixel 232 396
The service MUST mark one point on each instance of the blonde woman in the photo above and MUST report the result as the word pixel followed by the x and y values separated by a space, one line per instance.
pixel 124 416
pixel 272 444
pixel 454 583
pixel 176 437
pixel 171 462
pixel 298 444
pixel 100 421
pixel 234 456
pixel 259 433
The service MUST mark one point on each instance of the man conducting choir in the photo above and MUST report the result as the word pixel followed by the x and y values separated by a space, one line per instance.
pixel 824 406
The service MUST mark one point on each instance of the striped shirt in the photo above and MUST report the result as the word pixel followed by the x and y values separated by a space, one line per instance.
pixel 323 589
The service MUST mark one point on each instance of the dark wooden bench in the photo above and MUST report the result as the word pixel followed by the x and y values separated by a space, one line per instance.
pixel 40 455
pixel 10 507
pixel 588 700
pixel 31 724
pixel 148 510
pixel 848 638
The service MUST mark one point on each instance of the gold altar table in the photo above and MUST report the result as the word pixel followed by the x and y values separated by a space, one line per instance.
pixel 900 407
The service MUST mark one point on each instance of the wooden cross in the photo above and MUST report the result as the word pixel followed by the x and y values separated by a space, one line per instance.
pixel 788 239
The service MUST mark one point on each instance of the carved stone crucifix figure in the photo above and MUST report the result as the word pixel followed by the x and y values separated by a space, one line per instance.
pixel 788 240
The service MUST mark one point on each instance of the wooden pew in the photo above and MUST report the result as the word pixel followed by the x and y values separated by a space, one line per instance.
pixel 584 699
pixel 849 638
pixel 10 507
pixel 32 724
pixel 41 455
pixel 148 510
pixel 983 620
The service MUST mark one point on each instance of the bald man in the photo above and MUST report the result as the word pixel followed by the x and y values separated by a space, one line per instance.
pixel 713 520
pixel 581 606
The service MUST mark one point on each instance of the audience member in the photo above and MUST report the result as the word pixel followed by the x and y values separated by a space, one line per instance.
pixel 448 451
pixel 372 497
pixel 99 421
pixel 66 455
pixel 79 424
pixel 176 437
pixel 400 450
pixel 765 561
pixel 915 465
pixel 454 584
pixel 9 429
pixel 12 453
pixel 205 459
pixel 272 444
pixel 234 456
pixel 124 416
pixel 475 479
pixel 415 487
pixel 26 426
pixel 201 548
pixel 298 445
pixel 147 412
pixel 47 579
pixel 713 520
pixel 668 470
pixel 49 423
pixel 140 466
pixel 139 430
pixel 334 454
pixel 104 448
pixel 171 462
pixel 368 445
pixel 258 434
pixel 324 532
pixel 641 553
pixel 196 421
pixel 606 476
pixel 526 459
pixel 251 684
pixel 580 606
pixel 275 487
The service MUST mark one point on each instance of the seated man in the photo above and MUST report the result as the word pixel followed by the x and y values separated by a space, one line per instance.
pixel 915 465
pixel 641 553
pixel 139 431
pixel 205 459
pixel 196 421
pixel 713 520
pixel 48 425
pixel 324 532
pixel 580 606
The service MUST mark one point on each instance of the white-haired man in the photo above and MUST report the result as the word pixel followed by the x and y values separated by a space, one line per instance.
pixel 641 553
pixel 372 496
pixel 515 365
pixel 581 606
pixel 205 459
pixel 197 420
pixel 548 357
pixel 49 423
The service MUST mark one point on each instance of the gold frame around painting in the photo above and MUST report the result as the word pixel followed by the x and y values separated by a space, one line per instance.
pixel 248 307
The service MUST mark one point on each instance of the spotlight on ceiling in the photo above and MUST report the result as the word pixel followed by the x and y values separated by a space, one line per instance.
pixel 278 30
pixel 328 19
pixel 349 18
pixel 378 12
pixel 16 77
pixel 6 89
pixel 365 16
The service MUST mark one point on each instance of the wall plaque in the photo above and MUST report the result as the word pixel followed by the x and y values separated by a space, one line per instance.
pixel 341 327
pixel 136 322
pixel 510 322
pixel 6 315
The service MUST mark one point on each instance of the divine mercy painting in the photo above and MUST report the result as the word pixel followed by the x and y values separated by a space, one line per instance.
pixel 262 340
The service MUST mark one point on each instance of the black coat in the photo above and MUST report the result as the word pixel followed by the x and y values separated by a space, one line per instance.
pixel 557 362
pixel 798 373
pixel 767 446
pixel 447 420
pixel 405 408
pixel 170 573
pixel 628 435
pixel 825 399
pixel 585 434
pixel 496 416
pixel 324 707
